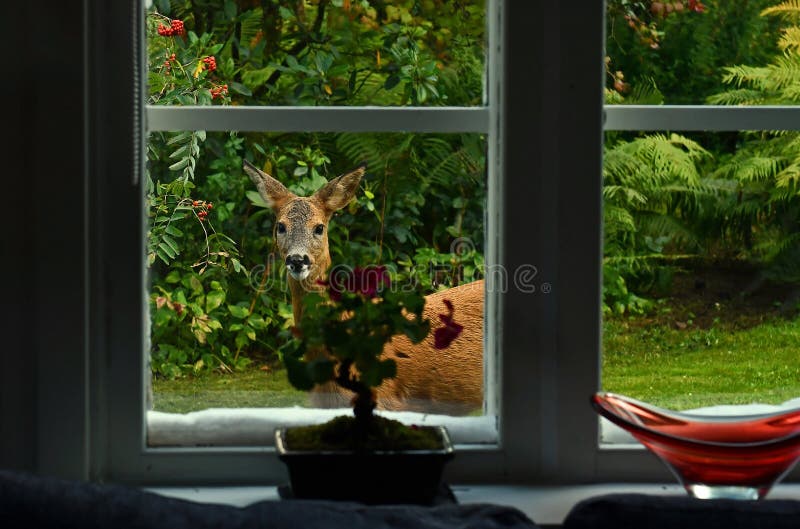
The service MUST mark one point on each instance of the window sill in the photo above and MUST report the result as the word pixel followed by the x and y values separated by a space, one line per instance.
pixel 545 505
pixel 255 426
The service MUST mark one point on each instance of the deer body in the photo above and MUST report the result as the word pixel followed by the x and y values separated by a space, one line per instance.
pixel 446 381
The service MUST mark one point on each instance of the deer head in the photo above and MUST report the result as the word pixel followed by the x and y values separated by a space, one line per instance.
pixel 301 225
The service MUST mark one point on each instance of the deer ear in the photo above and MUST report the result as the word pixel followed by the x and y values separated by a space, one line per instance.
pixel 337 193
pixel 273 192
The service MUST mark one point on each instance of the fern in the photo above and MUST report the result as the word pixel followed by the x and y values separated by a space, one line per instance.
pixel 789 9
pixel 790 39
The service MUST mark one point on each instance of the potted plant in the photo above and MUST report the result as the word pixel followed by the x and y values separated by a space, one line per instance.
pixel 340 340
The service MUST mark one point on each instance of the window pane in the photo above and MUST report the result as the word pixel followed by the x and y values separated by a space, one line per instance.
pixel 701 267
pixel 221 309
pixel 319 53
pixel 686 52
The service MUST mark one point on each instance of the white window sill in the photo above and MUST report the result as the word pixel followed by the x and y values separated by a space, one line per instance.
pixel 256 426
pixel 545 505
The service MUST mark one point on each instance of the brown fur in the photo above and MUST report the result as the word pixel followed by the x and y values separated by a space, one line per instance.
pixel 428 380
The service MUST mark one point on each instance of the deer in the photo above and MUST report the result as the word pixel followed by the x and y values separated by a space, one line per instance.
pixel 446 381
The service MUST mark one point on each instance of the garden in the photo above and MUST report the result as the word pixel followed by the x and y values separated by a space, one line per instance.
pixel 701 230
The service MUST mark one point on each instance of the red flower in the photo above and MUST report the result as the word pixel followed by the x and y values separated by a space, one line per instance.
pixel 367 282
pixel 444 336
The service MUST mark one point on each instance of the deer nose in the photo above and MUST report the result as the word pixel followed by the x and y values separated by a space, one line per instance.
pixel 296 262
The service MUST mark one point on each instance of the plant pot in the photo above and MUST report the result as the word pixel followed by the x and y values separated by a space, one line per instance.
pixel 411 476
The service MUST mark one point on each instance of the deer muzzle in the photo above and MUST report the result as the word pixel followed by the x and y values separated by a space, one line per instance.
pixel 298 266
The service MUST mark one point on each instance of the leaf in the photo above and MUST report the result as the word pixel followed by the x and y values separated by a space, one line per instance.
pixel 183 136
pixel 171 243
pixel 238 311
pixel 214 299
pixel 239 88
pixel 256 199
pixel 391 82
pixel 177 166
pixel 230 9
pixel 168 251
pixel 297 373
pixel 173 230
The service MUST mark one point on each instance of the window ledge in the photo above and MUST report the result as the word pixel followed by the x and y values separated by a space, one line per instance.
pixel 256 426
pixel 545 505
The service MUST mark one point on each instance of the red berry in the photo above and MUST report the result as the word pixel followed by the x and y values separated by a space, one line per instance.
pixel 196 203
pixel 209 205
pixel 177 27
pixel 211 63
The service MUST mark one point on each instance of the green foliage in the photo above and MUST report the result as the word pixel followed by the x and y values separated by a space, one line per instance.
pixel 685 53
pixel 762 213
pixel 342 335
pixel 651 191
pixel 422 191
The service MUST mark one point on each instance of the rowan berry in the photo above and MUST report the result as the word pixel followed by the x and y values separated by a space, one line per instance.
pixel 211 63
pixel 164 31
pixel 196 203
pixel 209 205
pixel 177 28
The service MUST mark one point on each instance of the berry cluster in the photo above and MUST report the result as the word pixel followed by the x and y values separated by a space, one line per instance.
pixel 219 92
pixel 203 208
pixel 175 28
pixel 210 63
pixel 168 62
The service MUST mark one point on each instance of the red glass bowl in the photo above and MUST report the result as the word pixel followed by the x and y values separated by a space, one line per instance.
pixel 712 456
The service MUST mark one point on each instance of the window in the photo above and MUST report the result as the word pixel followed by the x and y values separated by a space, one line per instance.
pixel 233 301
pixel 547 339
pixel 738 136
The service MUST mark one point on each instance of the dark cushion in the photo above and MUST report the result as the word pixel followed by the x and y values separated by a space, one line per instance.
pixel 41 502
pixel 640 511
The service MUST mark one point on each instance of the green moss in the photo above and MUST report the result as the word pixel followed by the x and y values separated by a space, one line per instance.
pixel 383 435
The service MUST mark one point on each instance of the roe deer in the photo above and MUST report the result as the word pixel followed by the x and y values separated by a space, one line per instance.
pixel 448 381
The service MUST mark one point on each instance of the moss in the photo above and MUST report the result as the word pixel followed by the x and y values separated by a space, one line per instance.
pixel 383 435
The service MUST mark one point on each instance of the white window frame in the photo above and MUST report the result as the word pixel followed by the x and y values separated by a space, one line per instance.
pixel 87 383
pixel 123 454
pixel 549 206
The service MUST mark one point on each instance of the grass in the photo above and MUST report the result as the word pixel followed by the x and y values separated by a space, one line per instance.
pixel 251 388
pixel 682 369
pixel 720 338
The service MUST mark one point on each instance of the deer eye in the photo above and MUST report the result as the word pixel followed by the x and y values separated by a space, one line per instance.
pixel 281 227
pixel 319 229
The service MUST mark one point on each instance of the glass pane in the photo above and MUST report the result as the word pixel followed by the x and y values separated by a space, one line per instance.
pixel 693 52
pixel 317 52
pixel 701 268
pixel 220 303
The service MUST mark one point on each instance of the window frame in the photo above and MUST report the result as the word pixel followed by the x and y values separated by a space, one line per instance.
pixel 551 89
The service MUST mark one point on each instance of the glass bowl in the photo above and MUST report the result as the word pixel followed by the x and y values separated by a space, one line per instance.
pixel 738 457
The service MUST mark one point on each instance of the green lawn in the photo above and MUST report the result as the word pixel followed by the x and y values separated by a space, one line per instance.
pixel 721 337
pixel 250 388
pixel 689 368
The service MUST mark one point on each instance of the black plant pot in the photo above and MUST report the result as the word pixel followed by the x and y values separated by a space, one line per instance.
pixel 412 476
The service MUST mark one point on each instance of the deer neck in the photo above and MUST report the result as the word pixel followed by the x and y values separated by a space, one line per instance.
pixel 299 289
